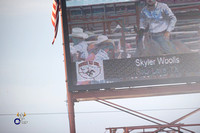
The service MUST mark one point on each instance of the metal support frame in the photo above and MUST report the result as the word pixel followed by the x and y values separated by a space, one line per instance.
pixel 159 126
pixel 118 93
pixel 128 129
pixel 183 117
pixel 65 38
pixel 133 92
pixel 147 117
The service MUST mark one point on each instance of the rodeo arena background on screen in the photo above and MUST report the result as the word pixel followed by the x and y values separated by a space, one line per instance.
pixel 113 43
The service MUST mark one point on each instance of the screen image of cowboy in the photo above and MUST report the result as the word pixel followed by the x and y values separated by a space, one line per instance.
pixel 162 30
pixel 134 40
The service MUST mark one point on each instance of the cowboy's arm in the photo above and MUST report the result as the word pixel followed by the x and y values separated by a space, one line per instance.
pixel 72 50
pixel 90 57
pixel 143 21
pixel 79 47
pixel 172 18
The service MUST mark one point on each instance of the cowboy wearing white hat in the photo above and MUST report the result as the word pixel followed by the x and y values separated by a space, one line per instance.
pixel 103 46
pixel 78 33
pixel 79 44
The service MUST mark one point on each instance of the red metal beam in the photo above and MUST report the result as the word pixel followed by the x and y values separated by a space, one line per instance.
pixel 137 15
pixel 128 112
pixel 185 116
pixel 154 126
pixel 127 109
pixel 136 92
pixel 185 7
pixel 70 101
pixel 111 103
pixel 180 119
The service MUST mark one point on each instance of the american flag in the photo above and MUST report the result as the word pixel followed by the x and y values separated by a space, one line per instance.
pixel 55 17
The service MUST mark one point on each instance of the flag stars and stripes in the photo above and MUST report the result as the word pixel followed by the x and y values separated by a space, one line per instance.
pixel 55 18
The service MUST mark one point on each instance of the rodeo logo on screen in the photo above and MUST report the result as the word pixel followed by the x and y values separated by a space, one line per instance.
pixel 91 70
pixel 20 119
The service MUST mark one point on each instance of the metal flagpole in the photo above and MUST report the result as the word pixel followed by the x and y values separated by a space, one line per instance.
pixel 65 38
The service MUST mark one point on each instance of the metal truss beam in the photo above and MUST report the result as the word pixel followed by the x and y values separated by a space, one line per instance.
pixel 136 92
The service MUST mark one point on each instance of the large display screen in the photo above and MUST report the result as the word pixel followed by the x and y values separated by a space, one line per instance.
pixel 125 43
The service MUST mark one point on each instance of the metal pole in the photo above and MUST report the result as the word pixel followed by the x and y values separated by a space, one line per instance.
pixel 64 24
pixel 137 4
pixel 126 130
pixel 104 25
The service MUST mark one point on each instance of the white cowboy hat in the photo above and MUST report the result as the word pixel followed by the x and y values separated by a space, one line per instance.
pixel 101 38
pixel 78 32
pixel 118 27
pixel 89 33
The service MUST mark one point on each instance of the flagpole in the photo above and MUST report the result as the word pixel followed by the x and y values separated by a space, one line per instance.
pixel 65 38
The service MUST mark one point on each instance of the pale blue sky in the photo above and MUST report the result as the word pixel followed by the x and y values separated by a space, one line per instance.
pixel 32 80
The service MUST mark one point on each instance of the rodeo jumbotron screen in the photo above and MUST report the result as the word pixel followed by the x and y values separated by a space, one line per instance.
pixel 125 43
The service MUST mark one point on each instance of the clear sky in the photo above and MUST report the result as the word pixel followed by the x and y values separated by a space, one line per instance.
pixel 32 80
